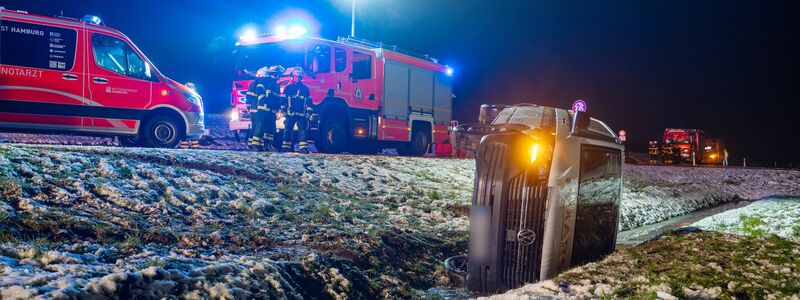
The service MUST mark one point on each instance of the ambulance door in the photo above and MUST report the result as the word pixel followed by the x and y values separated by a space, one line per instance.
pixel 362 77
pixel 120 82
pixel 40 86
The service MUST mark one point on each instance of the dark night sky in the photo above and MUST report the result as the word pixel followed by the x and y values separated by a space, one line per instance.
pixel 724 66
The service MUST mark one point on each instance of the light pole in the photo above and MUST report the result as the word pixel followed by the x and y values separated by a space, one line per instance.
pixel 353 18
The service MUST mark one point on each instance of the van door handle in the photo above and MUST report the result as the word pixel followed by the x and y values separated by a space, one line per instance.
pixel 69 77
pixel 99 80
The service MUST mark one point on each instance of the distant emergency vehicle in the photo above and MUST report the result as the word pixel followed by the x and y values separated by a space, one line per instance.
pixel 714 151
pixel 365 93
pixel 67 75
pixel 686 142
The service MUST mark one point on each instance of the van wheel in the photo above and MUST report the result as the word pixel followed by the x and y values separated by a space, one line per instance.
pixel 128 141
pixel 333 136
pixel 161 132
pixel 418 145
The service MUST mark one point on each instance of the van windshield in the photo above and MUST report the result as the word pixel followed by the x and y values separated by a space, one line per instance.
pixel 250 58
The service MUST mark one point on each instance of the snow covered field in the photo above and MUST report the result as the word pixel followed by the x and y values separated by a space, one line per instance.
pixel 220 137
pixel 655 193
pixel 694 265
pixel 115 221
pixel 107 221
pixel 778 216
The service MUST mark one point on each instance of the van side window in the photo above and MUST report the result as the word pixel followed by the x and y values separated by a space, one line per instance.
pixel 362 65
pixel 320 59
pixel 341 59
pixel 37 46
pixel 116 55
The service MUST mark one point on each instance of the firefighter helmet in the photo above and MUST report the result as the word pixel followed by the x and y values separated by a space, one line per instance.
pixel 273 70
pixel 297 73
pixel 262 72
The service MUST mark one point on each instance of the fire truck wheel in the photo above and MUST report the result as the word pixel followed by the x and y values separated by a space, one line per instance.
pixel 418 145
pixel 333 136
pixel 161 132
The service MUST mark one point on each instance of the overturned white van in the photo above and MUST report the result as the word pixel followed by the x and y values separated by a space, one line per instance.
pixel 547 192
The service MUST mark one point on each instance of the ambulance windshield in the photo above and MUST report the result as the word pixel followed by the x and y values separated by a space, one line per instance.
pixel 250 58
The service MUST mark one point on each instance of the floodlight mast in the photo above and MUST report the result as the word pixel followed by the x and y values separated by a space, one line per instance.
pixel 353 18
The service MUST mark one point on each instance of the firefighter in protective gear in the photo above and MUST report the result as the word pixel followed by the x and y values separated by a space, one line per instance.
pixel 270 107
pixel 667 153
pixel 654 151
pixel 256 118
pixel 297 107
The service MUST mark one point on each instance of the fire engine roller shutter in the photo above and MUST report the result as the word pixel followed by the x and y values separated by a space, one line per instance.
pixel 395 105
pixel 421 90
pixel 1 38
pixel 442 100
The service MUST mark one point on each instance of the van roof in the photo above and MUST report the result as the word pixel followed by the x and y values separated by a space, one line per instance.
pixel 64 21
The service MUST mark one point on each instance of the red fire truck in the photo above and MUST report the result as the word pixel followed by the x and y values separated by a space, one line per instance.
pixel 366 94
pixel 78 76
pixel 686 142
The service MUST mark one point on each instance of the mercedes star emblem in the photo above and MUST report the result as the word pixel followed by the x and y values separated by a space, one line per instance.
pixel 526 236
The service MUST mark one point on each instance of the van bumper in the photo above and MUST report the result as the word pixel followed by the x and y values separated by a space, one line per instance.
pixel 195 125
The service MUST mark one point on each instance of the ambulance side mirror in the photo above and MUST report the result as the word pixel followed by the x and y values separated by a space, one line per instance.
pixel 580 121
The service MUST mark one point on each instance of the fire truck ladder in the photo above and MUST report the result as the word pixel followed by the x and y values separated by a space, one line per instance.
pixel 380 45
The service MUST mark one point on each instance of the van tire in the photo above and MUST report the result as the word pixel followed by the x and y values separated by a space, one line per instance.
pixel 161 131
pixel 418 145
pixel 333 136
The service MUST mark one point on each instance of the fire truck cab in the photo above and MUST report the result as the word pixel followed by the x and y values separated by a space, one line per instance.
pixel 364 93
pixel 78 76
pixel 686 143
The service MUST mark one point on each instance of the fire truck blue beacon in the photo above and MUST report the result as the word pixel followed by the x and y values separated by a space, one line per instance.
pixel 547 193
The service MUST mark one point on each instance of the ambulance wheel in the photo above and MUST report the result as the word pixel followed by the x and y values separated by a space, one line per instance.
pixel 128 141
pixel 333 136
pixel 161 132
pixel 418 145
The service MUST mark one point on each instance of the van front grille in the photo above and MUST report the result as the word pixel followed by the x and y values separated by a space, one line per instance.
pixel 522 253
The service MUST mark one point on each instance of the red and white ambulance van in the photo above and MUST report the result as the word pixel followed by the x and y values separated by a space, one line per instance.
pixel 78 76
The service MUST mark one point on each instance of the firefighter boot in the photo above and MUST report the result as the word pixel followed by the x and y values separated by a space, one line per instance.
pixel 256 144
pixel 286 147
pixel 268 141
pixel 303 147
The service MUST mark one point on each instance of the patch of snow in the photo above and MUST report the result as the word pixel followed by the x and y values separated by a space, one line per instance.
pixel 778 216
